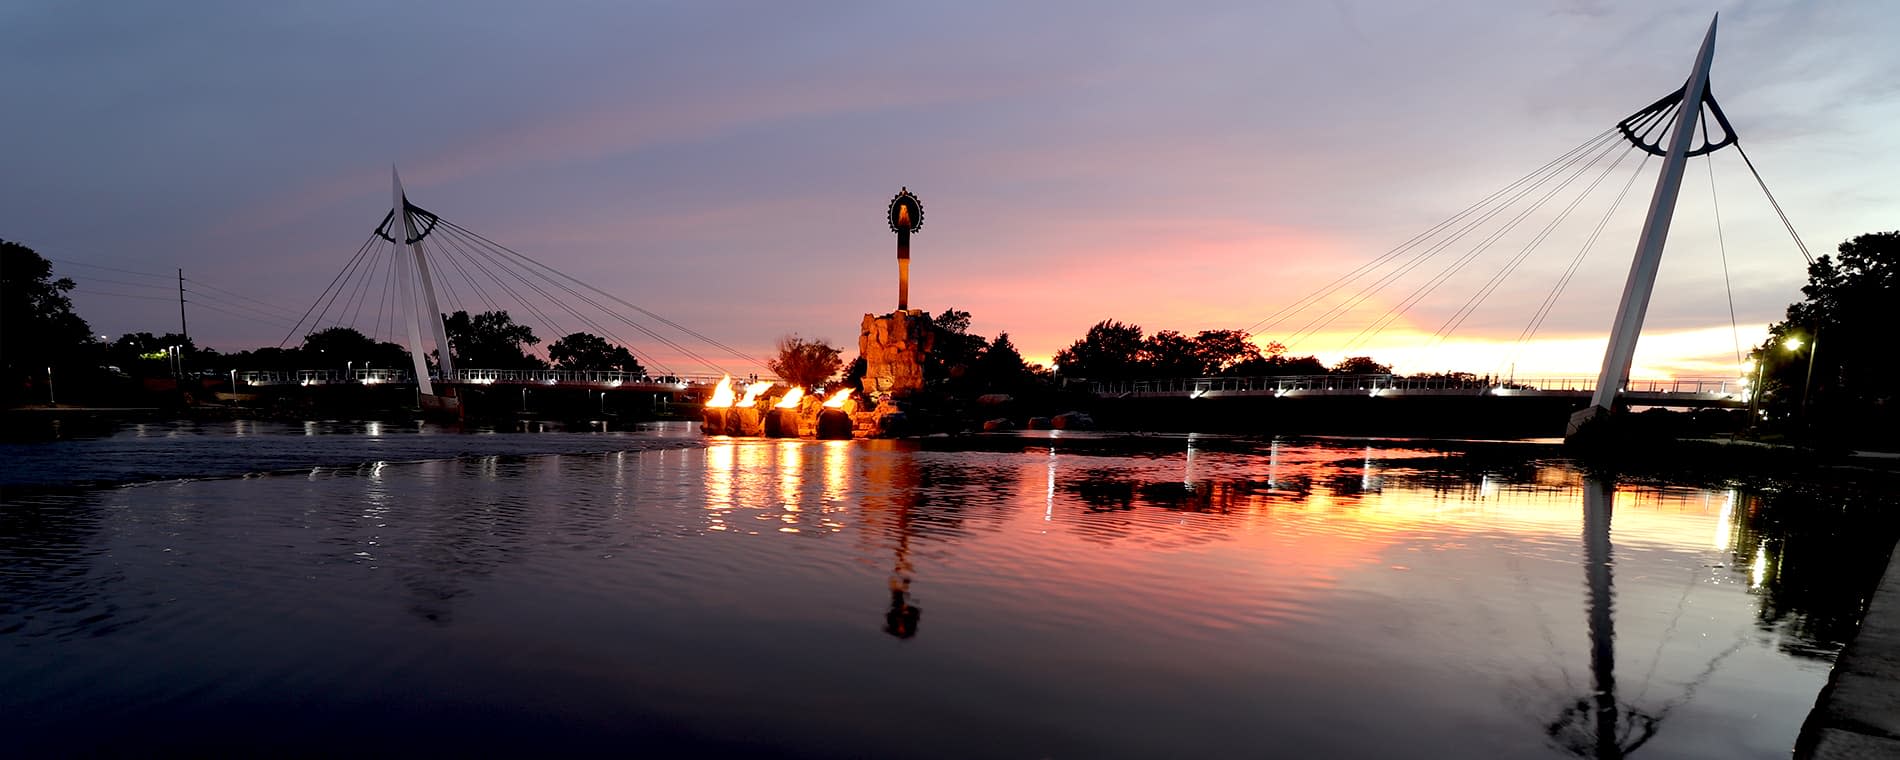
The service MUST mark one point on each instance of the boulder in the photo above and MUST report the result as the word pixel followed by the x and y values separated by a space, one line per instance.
pixel 745 421
pixel 1040 423
pixel 781 423
pixel 712 421
pixel 997 425
pixel 1073 421
pixel 834 424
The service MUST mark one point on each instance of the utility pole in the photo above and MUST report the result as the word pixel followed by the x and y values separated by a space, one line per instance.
pixel 182 329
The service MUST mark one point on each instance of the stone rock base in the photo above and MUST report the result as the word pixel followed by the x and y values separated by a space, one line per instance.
pixel 894 346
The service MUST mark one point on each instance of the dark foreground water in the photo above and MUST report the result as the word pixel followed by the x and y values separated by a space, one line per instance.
pixel 1019 597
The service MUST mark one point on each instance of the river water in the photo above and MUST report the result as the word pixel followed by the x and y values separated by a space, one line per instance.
pixel 362 588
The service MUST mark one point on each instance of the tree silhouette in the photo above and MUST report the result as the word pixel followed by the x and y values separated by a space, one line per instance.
pixel 38 328
pixel 587 351
pixel 1110 350
pixel 804 363
pixel 491 340
pixel 1841 354
pixel 1360 365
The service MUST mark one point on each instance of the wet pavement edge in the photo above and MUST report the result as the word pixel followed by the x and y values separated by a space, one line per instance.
pixel 1858 714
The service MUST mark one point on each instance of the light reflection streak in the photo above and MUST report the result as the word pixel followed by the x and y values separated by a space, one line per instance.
pixel 1187 476
pixel 1758 571
pixel 791 473
pixel 1724 531
pixel 1273 465
pixel 719 465
pixel 1049 499
pixel 837 468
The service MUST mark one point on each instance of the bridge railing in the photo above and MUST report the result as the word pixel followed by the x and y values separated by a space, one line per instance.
pixel 577 377
pixel 1291 384
pixel 470 376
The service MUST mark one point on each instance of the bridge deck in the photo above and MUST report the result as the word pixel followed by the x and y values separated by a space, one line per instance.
pixel 1678 392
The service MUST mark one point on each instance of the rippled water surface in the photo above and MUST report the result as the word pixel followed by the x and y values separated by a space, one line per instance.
pixel 412 591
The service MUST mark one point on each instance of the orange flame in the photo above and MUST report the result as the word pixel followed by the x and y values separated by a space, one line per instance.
pixel 722 394
pixel 837 399
pixel 752 393
pixel 792 397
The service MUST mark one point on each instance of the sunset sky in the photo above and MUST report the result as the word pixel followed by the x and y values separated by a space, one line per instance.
pixel 1178 166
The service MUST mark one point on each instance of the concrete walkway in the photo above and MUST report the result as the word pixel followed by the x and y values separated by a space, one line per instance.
pixel 1858 714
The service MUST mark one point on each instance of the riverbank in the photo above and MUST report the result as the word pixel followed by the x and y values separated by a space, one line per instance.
pixel 1858 713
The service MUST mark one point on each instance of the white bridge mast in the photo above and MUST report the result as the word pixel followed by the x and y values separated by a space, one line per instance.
pixel 1649 246
pixel 407 229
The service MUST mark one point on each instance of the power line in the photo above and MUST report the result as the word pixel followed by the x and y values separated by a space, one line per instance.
pixel 90 278
pixel 120 295
pixel 109 269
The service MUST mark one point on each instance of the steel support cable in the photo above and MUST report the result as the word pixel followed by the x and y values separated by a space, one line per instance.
pixel 493 303
pixel 362 295
pixel 447 283
pixel 1326 318
pixel 582 318
pixel 326 291
pixel 1550 300
pixel 1285 312
pixel 349 273
pixel 656 336
pixel 1775 203
pixel 382 301
pixel 1457 265
pixel 395 281
pixel 736 353
pixel 1715 205
pixel 480 293
pixel 526 305
pixel 374 251
pixel 498 260
pixel 1477 299
pixel 361 284
pixel 591 324
pixel 1313 326
pixel 349 304
pixel 645 330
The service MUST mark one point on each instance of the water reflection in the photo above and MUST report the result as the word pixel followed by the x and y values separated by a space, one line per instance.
pixel 1176 597
pixel 1601 726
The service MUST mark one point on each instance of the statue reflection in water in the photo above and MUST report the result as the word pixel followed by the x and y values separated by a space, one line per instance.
pixel 901 619
pixel 896 484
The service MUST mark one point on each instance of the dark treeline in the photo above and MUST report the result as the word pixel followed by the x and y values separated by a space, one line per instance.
pixel 1829 370
pixel 1115 351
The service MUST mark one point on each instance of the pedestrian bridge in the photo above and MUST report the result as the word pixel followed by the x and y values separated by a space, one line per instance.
pixel 1677 392
pixel 595 380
